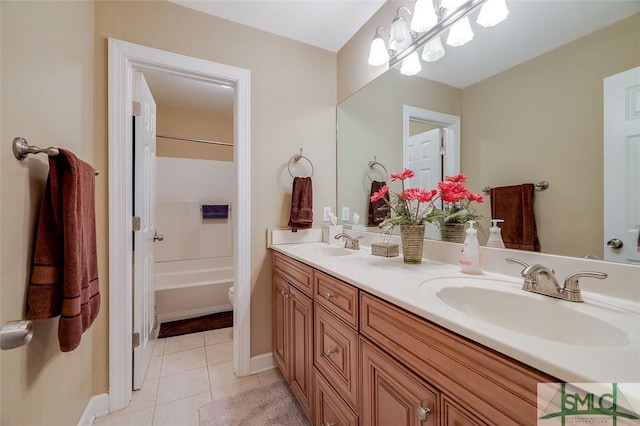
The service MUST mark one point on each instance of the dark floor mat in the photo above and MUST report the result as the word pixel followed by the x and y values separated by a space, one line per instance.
pixel 196 325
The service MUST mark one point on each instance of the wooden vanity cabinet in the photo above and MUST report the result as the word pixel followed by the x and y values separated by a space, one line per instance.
pixel 293 329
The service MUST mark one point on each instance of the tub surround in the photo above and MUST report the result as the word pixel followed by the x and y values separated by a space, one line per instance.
pixel 616 299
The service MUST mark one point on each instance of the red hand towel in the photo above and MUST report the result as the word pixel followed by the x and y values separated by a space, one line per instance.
pixel 301 203
pixel 64 278
pixel 514 204
pixel 378 210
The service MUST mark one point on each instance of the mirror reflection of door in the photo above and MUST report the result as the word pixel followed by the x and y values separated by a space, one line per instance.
pixel 622 167
pixel 423 156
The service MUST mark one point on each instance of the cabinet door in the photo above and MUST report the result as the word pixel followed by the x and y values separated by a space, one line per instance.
pixel 392 395
pixel 329 408
pixel 301 335
pixel 454 415
pixel 281 341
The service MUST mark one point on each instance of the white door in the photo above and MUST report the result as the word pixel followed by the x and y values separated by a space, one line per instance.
pixel 622 167
pixel 143 206
pixel 422 155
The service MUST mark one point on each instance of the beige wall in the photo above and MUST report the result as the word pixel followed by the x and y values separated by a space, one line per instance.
pixel 293 98
pixel 194 124
pixel 543 120
pixel 47 97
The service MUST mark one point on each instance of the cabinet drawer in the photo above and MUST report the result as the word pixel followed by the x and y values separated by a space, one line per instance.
pixel 338 297
pixel 294 272
pixel 336 354
pixel 330 409
pixel 502 389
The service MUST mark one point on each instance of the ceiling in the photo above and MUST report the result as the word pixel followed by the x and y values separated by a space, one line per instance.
pixel 533 28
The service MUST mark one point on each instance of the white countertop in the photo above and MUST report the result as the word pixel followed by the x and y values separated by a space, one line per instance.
pixel 613 351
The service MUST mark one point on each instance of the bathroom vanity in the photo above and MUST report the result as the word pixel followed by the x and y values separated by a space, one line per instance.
pixel 355 353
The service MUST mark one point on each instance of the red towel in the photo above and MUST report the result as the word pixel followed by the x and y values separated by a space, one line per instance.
pixel 378 210
pixel 301 203
pixel 64 279
pixel 514 204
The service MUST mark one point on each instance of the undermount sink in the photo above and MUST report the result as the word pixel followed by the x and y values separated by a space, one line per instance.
pixel 327 250
pixel 503 304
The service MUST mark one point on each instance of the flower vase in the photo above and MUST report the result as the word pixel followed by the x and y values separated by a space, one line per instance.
pixel 412 242
pixel 452 232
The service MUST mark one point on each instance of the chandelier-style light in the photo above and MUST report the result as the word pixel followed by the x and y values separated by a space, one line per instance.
pixel 425 26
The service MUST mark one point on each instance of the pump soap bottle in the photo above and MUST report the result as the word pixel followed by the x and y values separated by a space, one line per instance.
pixel 495 235
pixel 469 259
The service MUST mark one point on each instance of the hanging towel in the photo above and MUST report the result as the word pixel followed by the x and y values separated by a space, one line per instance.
pixel 64 278
pixel 301 203
pixel 514 204
pixel 378 210
pixel 215 211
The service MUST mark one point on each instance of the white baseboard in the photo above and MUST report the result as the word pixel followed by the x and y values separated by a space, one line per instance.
pixel 97 406
pixel 192 313
pixel 263 362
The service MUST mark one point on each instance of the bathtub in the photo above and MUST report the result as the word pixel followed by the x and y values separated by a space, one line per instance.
pixel 191 288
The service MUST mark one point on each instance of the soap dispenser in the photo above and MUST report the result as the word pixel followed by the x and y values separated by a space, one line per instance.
pixel 495 235
pixel 469 259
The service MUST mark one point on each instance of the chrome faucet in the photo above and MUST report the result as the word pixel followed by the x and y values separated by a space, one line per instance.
pixel 349 242
pixel 542 280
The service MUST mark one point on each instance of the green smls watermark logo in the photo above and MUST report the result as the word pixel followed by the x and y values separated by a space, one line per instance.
pixel 580 403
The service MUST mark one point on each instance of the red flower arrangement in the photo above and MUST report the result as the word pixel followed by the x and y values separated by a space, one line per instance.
pixel 417 206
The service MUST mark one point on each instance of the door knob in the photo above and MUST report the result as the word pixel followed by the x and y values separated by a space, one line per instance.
pixel 615 243
pixel 158 237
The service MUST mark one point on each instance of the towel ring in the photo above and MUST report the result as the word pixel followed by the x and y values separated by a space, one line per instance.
pixel 374 163
pixel 297 158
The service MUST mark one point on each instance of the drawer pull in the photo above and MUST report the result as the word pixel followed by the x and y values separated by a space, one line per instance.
pixel 329 352
pixel 329 424
pixel 423 413
pixel 328 296
pixel 285 294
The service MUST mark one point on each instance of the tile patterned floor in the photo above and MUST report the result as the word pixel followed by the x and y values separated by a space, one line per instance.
pixel 185 373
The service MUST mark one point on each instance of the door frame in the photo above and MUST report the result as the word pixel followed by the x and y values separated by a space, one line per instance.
pixel 124 57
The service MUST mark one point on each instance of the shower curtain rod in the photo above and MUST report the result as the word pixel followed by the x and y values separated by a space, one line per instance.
pixel 195 140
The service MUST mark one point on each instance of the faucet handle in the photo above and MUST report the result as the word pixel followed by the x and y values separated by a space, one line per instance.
pixel 518 261
pixel 571 283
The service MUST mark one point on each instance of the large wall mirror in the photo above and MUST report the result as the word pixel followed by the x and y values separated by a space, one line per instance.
pixel 540 118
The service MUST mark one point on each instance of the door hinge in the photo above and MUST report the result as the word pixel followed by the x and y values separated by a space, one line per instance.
pixel 137 108
pixel 443 150
pixel 135 223
pixel 135 339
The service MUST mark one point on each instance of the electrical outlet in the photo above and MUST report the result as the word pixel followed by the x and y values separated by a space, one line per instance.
pixel 345 213
pixel 326 211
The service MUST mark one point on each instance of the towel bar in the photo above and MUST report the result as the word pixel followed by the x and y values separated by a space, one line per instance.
pixel 22 149
pixel 542 185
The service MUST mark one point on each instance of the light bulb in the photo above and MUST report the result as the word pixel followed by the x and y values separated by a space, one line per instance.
pixel 460 33
pixel 378 54
pixel 492 13
pixel 411 64
pixel 433 50
pixel 424 16
pixel 400 36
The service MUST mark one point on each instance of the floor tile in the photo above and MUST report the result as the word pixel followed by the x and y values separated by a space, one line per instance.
pixel 220 352
pixel 222 374
pixel 158 349
pixel 183 412
pixel 141 418
pixel 182 343
pixel 218 336
pixel 153 371
pixel 250 383
pixel 182 385
pixel 178 362
pixel 270 376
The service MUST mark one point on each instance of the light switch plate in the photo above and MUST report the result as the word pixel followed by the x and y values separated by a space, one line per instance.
pixel 326 211
pixel 345 213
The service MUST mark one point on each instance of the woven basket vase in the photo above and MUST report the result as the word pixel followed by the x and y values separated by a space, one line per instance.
pixel 452 232
pixel 412 242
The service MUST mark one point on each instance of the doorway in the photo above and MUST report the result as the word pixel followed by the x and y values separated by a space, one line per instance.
pixel 124 58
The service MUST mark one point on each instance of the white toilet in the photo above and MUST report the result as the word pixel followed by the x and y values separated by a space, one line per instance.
pixel 232 298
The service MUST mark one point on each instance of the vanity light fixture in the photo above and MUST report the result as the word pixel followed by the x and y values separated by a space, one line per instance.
pixel 429 21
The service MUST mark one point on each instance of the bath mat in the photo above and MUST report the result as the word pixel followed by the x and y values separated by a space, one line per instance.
pixel 273 404
pixel 196 325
